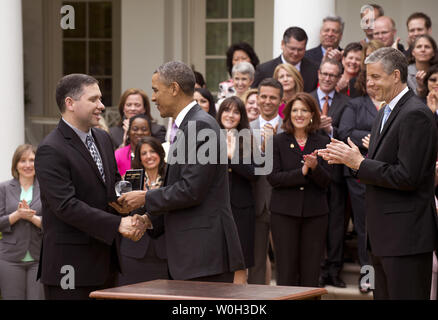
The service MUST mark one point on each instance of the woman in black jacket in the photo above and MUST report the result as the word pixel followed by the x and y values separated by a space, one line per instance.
pixel 299 206
pixel 232 117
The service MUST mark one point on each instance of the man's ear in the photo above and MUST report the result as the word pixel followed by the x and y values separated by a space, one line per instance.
pixel 397 75
pixel 175 88
pixel 69 103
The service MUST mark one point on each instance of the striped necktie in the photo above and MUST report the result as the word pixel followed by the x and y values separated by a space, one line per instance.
pixel 386 114
pixel 95 154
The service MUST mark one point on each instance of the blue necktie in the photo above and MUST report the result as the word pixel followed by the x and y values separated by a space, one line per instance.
pixel 385 116
pixel 95 154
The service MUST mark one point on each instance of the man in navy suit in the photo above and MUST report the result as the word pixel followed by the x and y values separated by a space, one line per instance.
pixel 399 176
pixel 330 36
pixel 202 242
pixel 293 47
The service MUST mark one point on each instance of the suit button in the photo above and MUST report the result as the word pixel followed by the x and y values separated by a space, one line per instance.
pixel 230 170
pixel 301 188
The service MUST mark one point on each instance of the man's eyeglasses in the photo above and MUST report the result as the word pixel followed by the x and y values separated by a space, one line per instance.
pixel 329 75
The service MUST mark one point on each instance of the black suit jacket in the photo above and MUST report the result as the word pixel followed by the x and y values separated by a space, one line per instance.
pixel 78 228
pixel 201 235
pixel 308 70
pixel 335 111
pixel 399 174
pixel 293 193
pixel 357 120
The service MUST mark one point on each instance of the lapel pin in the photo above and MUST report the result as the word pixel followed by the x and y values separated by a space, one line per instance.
pixel 292 146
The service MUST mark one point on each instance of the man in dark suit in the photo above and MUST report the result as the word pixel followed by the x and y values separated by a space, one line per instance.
pixel 332 105
pixel 202 242
pixel 77 171
pixel 270 93
pixel 293 48
pixel 330 36
pixel 399 174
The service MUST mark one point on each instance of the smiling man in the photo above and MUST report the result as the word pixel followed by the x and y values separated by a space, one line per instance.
pixel 330 37
pixel 293 47
pixel 399 176
pixel 202 243
pixel 77 171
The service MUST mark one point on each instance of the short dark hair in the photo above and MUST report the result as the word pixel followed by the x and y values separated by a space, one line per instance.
pixel 271 82
pixel 124 97
pixel 244 47
pixel 295 32
pixel 72 86
pixel 378 8
pixel 199 78
pixel 207 95
pixel 131 120
pixel 420 15
pixel 353 46
pixel 180 73
pixel 313 106
pixel 157 147
pixel 391 59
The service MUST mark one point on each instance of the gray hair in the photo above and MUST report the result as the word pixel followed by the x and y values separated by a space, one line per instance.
pixel 335 19
pixel 391 59
pixel 245 68
pixel 179 72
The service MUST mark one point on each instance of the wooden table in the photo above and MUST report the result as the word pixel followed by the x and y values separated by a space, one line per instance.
pixel 193 290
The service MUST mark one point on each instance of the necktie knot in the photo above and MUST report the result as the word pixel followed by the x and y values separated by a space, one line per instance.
pixel 173 132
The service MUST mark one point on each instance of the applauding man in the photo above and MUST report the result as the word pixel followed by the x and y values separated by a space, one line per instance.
pixel 399 174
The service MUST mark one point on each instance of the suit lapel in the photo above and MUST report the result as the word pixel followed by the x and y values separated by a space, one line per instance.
pixel 73 139
pixel 15 189
pixel 35 192
pixel 390 120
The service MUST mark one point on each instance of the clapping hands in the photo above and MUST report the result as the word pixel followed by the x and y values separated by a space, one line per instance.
pixel 310 162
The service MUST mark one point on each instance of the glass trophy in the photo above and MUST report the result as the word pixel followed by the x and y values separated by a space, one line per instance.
pixel 122 187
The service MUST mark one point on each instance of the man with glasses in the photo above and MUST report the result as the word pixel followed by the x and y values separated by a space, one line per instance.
pixel 385 31
pixel 332 105
pixel 330 36
pixel 293 48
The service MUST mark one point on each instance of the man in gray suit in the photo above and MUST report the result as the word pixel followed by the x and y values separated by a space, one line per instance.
pixel 270 93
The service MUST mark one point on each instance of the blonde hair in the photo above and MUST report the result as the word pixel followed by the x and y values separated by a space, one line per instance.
pixel 249 93
pixel 299 83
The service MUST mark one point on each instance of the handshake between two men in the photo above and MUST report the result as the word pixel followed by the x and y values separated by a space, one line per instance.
pixel 132 227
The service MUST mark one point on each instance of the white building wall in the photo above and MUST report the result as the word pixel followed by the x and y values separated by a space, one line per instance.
pixel 11 84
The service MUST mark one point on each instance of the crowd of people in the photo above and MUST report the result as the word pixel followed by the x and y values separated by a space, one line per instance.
pixel 225 222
